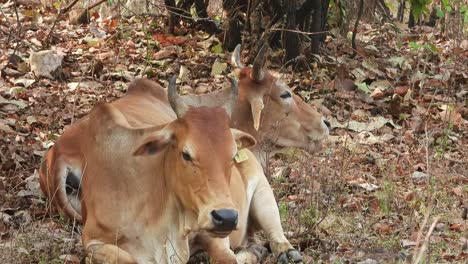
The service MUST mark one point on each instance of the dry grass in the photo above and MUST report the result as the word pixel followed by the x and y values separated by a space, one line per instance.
pixel 325 212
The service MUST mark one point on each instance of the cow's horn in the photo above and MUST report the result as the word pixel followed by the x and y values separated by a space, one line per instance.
pixel 175 99
pixel 257 68
pixel 257 106
pixel 235 57
pixel 230 104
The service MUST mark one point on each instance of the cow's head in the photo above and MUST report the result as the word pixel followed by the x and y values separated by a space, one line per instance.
pixel 282 117
pixel 199 149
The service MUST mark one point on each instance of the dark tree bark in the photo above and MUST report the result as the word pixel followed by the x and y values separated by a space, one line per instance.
pixel 208 25
pixel 383 10
pixel 291 39
pixel 232 35
pixel 172 19
pixel 411 20
pixel 305 25
pixel 356 24
pixel 325 5
pixel 401 10
pixel 316 26
pixel 432 18
pixel 305 10
pixel 182 11
pixel 257 17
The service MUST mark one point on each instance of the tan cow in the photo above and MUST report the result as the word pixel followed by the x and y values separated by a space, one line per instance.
pixel 161 181
pixel 287 121
pixel 269 110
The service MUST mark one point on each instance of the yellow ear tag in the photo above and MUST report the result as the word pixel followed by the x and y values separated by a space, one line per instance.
pixel 241 155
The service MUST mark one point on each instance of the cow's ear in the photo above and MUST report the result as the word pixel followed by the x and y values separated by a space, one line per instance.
pixel 154 143
pixel 243 139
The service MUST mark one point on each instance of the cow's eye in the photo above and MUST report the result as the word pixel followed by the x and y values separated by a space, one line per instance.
pixel 285 95
pixel 186 156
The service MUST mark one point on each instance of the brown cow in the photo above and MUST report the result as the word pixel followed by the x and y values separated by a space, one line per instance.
pixel 159 184
pixel 288 122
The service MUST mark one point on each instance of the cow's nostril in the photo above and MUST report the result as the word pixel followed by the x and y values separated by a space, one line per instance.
pixel 327 123
pixel 224 219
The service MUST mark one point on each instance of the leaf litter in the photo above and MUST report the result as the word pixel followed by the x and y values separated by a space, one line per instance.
pixel 391 112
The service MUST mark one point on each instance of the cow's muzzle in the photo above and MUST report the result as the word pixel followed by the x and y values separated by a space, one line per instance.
pixel 224 219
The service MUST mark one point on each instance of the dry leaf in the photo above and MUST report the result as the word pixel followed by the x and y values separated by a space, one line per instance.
pixel 44 62
pixel 457 227
pixel 452 116
pixel 377 94
pixel 401 90
pixel 458 191
pixel 409 196
pixel 384 228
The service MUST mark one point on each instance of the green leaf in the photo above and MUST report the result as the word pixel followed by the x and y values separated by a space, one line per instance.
pixel 363 87
pixel 440 13
pixel 19 103
pixel 396 61
pixel 160 63
pixel 413 45
pixel 217 49
pixel 218 68
pixel 432 48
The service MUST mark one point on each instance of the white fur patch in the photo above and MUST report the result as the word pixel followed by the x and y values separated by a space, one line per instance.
pixel 251 187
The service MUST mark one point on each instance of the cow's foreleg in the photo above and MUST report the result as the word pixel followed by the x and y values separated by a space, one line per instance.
pixel 220 252
pixel 100 253
pixel 218 249
pixel 264 212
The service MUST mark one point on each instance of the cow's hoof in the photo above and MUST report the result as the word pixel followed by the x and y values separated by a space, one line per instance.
pixel 292 255
pixel 259 251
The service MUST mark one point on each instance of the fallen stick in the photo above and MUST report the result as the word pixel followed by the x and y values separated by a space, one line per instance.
pixel 81 17
pixel 84 16
pixel 68 7
pixel 426 241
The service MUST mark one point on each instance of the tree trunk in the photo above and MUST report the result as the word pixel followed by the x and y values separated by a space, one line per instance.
pixel 232 35
pixel 208 25
pixel 170 6
pixel 325 5
pixel 432 18
pixel 316 26
pixel 401 10
pixel 411 20
pixel 291 39
pixel 356 24
pixel 305 10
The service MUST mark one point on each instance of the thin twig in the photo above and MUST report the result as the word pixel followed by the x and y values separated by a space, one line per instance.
pixel 96 4
pixel 32 46
pixel 356 24
pixel 183 11
pixel 429 197
pixel 18 27
pixel 426 241
pixel 68 7
pixel 298 31
pixel 47 42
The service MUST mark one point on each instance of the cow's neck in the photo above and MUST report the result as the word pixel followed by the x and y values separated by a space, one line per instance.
pixel 172 239
pixel 242 117
pixel 170 234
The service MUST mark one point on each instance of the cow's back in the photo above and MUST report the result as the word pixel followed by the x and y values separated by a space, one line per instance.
pixel 145 104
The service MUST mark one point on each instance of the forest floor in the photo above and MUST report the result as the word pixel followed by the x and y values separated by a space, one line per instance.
pixel 395 162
